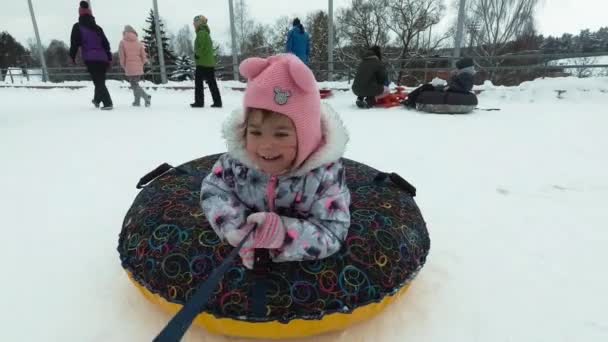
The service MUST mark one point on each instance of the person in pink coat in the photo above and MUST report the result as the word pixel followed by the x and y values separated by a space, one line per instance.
pixel 133 56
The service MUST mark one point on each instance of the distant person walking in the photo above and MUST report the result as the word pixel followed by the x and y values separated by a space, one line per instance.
pixel 133 56
pixel 95 50
pixel 205 65
pixel 298 41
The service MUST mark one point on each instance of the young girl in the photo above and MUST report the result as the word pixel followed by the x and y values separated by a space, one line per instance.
pixel 282 175
pixel 133 56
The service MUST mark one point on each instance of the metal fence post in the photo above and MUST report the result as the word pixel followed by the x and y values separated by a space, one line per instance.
pixel 45 72
pixel 235 57
pixel 330 43
pixel 348 74
pixel 159 44
pixel 459 30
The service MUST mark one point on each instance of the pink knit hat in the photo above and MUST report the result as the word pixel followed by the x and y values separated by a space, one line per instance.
pixel 285 85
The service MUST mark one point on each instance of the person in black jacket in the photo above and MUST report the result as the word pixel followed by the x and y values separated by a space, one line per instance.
pixel 95 50
pixel 461 81
pixel 371 79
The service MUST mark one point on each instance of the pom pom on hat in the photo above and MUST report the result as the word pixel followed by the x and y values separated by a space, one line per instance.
pixel 464 63
pixel 84 9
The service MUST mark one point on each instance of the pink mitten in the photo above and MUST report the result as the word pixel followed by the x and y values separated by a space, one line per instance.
pixel 269 233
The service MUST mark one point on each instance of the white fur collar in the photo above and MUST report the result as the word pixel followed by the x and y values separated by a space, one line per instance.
pixel 334 134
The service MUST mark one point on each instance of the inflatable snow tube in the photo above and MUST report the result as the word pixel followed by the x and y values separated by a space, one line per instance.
pixel 168 248
pixel 446 102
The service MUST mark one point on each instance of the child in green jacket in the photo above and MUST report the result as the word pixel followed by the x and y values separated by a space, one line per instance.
pixel 204 56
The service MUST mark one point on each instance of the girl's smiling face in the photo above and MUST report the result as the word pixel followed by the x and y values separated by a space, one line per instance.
pixel 271 141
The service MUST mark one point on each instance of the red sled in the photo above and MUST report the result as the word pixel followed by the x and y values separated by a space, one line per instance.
pixel 393 99
pixel 325 93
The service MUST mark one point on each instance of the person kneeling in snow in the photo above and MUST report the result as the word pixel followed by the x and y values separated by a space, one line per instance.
pixel 282 175
pixel 371 81
pixel 461 81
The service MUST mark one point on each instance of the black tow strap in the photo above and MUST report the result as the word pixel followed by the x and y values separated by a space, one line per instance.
pixel 152 175
pixel 179 324
pixel 398 180
pixel 261 268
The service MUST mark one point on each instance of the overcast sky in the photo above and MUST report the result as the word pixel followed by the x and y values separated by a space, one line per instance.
pixel 56 17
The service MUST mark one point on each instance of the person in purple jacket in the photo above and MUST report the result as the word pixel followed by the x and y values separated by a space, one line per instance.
pixel 95 51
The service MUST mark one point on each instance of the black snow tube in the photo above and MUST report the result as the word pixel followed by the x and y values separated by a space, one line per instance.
pixel 168 248
pixel 446 102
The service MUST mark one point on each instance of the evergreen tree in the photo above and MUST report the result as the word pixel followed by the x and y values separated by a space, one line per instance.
pixel 587 41
pixel 184 69
pixel 567 43
pixel 602 35
pixel 550 45
pixel 13 53
pixel 316 24
pixel 151 45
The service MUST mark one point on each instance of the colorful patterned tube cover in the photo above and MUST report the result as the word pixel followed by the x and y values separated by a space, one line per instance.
pixel 168 248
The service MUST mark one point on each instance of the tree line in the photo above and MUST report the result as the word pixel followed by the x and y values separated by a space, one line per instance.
pixel 402 28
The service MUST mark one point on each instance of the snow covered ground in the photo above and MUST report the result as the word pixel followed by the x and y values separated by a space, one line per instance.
pixel 516 203
pixel 587 61
pixel 16 76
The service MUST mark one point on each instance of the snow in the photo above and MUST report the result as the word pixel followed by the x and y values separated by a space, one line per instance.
pixel 515 202
pixel 599 60
pixel 15 75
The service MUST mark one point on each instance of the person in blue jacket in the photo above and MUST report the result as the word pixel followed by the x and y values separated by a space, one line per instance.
pixel 298 41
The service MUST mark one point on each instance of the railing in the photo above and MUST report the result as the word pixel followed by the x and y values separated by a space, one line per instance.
pixel 420 68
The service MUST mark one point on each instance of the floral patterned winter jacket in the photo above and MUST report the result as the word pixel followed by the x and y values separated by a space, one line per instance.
pixel 312 201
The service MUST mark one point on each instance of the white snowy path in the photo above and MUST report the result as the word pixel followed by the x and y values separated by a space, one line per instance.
pixel 515 201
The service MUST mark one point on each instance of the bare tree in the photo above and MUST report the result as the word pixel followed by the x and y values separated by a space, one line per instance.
pixel 471 24
pixel 429 42
pixel 252 39
pixel 500 22
pixel 362 25
pixel 277 34
pixel 32 46
pixel 256 42
pixel 527 39
pixel 409 18
pixel 244 25
pixel 585 72
pixel 182 43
